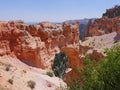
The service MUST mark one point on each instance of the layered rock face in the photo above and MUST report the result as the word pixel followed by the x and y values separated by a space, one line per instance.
pixel 102 26
pixel 36 45
pixel 110 22
pixel 75 62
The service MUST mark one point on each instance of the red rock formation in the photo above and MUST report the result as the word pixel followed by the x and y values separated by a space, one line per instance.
pixel 84 49
pixel 108 23
pixel 96 56
pixel 102 26
pixel 48 25
pixel 36 45
pixel 75 62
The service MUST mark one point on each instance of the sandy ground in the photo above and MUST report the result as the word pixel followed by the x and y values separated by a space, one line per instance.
pixel 15 75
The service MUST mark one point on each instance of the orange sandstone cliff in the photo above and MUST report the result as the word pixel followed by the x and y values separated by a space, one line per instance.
pixel 36 45
pixel 110 22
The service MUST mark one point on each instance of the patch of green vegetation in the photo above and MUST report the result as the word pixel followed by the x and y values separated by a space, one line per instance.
pixel 49 74
pixel 116 41
pixel 60 65
pixel 31 84
pixel 102 75
pixel 7 67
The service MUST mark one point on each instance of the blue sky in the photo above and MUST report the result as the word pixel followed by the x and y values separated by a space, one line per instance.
pixel 53 10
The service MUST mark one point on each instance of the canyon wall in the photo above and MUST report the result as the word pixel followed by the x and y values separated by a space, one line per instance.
pixel 37 44
pixel 110 22
pixel 102 26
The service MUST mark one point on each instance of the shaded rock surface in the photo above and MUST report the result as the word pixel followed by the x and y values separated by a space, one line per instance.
pixel 112 12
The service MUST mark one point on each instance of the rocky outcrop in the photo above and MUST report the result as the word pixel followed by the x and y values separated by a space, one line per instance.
pixel 96 56
pixel 75 63
pixel 98 44
pixel 112 12
pixel 36 45
pixel 110 22
pixel 102 26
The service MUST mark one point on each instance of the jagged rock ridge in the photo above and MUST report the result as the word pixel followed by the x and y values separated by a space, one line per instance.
pixel 36 45
pixel 106 24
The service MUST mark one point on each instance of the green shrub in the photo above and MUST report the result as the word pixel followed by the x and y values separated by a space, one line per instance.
pixel 49 74
pixel 31 84
pixel 103 75
pixel 8 66
pixel 59 65
pixel 116 41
